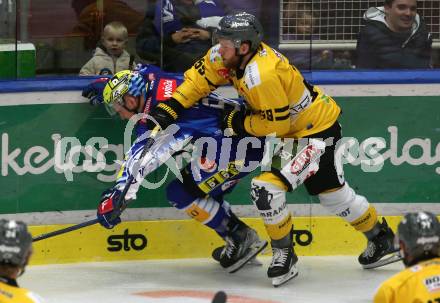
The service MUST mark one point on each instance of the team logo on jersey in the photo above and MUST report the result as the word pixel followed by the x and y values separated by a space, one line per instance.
pixel 262 52
pixel 278 54
pixel 215 55
pixel 165 89
pixel 433 283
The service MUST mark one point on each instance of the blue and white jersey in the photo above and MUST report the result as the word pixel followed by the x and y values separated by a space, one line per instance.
pixel 200 121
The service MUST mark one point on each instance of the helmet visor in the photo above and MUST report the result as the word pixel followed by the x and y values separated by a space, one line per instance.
pixel 218 35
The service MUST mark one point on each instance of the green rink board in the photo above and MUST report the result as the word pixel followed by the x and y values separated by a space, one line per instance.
pixel 27 134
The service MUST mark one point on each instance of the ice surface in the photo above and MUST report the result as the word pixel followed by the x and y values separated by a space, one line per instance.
pixel 320 279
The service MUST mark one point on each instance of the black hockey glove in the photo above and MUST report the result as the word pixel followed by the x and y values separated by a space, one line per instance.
pixel 234 120
pixel 165 113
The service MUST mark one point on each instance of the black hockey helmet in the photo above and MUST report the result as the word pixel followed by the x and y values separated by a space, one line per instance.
pixel 240 27
pixel 420 234
pixel 15 243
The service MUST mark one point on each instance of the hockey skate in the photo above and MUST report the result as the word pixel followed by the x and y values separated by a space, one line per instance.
pixel 380 250
pixel 282 268
pixel 241 246
pixel 216 253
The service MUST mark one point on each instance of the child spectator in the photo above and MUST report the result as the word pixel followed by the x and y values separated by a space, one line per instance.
pixel 110 56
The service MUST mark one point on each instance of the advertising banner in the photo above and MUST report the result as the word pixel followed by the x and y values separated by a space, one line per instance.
pixel 58 157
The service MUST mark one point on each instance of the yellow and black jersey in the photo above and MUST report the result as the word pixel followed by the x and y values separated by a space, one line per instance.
pixel 11 293
pixel 417 284
pixel 281 101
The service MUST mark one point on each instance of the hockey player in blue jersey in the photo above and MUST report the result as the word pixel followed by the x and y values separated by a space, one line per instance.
pixel 205 180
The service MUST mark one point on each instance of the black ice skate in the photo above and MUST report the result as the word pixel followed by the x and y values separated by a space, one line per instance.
pixel 282 268
pixel 380 250
pixel 216 253
pixel 241 246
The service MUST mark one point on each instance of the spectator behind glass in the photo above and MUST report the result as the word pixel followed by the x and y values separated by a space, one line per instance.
pixel 187 27
pixel 147 39
pixel 91 18
pixel 394 36
pixel 110 56
pixel 298 25
pixel 418 236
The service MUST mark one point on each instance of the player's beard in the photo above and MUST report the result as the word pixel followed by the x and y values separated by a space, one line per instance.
pixel 232 63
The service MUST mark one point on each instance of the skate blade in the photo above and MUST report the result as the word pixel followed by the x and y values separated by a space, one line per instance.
pixel 384 261
pixel 252 262
pixel 278 281
pixel 253 251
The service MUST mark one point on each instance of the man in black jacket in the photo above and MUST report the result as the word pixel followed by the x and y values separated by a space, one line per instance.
pixel 394 36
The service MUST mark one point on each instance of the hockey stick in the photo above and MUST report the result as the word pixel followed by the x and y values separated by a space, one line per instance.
pixel 220 297
pixel 147 146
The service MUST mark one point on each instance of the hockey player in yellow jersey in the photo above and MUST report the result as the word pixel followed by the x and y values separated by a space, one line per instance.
pixel 15 252
pixel 281 102
pixel 418 237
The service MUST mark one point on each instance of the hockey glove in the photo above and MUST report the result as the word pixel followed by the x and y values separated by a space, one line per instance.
pixel 146 69
pixel 108 209
pixel 94 91
pixel 234 120
pixel 165 113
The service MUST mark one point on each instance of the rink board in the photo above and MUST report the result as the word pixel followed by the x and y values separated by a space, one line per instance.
pixel 35 177
pixel 174 239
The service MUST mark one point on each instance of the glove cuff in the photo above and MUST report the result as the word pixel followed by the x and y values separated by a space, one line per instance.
pixel 235 121
pixel 168 109
pixel 165 113
pixel 229 119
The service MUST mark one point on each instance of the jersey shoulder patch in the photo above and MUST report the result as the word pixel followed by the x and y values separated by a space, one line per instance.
pixel 279 55
pixel 214 55
pixel 252 75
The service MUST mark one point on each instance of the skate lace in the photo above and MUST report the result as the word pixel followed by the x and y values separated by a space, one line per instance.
pixel 230 248
pixel 279 256
pixel 370 250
